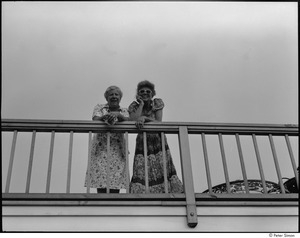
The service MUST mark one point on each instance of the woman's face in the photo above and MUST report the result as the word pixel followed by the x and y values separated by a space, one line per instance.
pixel 145 94
pixel 113 98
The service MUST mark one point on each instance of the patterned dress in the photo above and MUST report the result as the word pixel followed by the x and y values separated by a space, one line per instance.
pixel 98 174
pixel 154 160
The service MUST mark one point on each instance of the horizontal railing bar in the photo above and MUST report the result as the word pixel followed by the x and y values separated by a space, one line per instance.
pixel 117 129
pixel 95 128
pixel 167 127
pixel 156 130
pixel 246 196
pixel 92 196
pixel 257 203
pixel 143 197
pixel 150 203
pixel 41 121
pixel 93 203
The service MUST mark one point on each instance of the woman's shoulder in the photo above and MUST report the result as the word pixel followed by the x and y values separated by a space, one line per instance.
pixel 133 106
pixel 99 110
pixel 100 106
pixel 158 104
pixel 134 103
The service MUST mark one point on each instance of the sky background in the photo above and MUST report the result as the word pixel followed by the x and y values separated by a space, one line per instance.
pixel 210 62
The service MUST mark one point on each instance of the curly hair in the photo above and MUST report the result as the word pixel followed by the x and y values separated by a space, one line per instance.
pixel 146 84
pixel 112 88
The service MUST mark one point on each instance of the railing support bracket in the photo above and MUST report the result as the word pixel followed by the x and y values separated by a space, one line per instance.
pixel 186 165
pixel 191 211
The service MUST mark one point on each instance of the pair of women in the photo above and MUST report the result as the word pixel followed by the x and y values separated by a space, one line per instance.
pixel 145 109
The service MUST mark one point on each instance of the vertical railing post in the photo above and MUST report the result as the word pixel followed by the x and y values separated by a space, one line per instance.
pixel 243 167
pixel 146 163
pixel 11 161
pixel 108 164
pixel 206 163
pixel 88 177
pixel 288 143
pixel 186 165
pixel 260 167
pixel 50 162
pixel 69 163
pixel 127 163
pixel 163 145
pixel 30 162
pixel 277 167
pixel 224 162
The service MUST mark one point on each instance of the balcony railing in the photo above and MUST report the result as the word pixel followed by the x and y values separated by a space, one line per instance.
pixel 263 151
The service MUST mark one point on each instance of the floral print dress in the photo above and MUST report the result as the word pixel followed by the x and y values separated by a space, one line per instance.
pixel 154 160
pixel 98 174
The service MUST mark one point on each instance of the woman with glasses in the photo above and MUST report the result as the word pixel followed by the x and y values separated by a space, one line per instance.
pixel 149 109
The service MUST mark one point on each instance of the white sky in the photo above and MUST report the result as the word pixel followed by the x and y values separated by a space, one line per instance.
pixel 210 61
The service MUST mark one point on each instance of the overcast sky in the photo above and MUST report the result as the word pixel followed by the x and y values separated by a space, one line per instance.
pixel 210 61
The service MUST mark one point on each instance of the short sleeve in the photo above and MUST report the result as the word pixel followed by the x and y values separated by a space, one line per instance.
pixel 158 104
pixel 99 110
pixel 133 107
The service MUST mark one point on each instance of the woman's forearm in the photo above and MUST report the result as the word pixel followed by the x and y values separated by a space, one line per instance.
pixel 149 119
pixel 158 117
pixel 136 114
pixel 97 118
pixel 122 118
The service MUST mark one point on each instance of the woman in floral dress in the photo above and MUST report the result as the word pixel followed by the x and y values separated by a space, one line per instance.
pixel 98 175
pixel 147 109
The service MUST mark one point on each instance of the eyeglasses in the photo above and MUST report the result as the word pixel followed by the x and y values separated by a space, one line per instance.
pixel 145 91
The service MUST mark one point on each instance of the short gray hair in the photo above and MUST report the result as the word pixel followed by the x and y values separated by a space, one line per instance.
pixel 112 88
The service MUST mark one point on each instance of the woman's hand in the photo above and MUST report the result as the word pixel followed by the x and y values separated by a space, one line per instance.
pixel 140 101
pixel 140 122
pixel 110 118
pixel 119 116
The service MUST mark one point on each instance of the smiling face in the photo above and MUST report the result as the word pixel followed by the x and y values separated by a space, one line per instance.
pixel 145 93
pixel 113 99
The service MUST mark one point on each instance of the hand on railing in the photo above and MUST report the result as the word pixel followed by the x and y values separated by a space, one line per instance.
pixel 140 122
pixel 110 118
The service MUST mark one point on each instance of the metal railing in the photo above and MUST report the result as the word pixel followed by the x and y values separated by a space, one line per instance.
pixel 190 198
